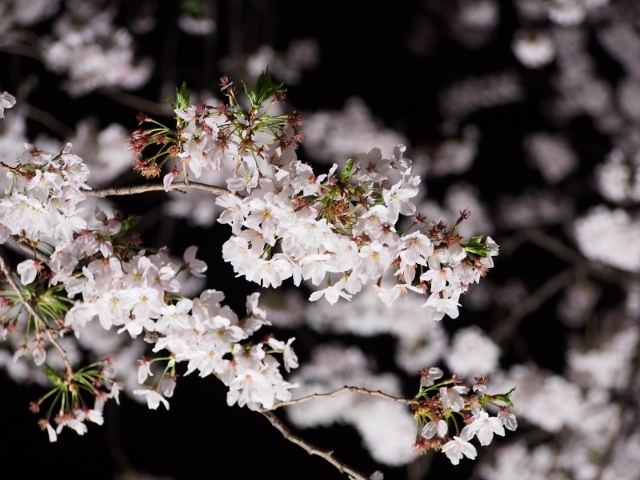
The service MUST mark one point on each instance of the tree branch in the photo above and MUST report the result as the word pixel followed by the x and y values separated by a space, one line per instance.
pixel 38 318
pixel 151 187
pixel 363 391
pixel 310 449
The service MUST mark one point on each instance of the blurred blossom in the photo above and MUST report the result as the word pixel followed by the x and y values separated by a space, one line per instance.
pixel 25 13
pixel 532 9
pixel 618 179
pixel 567 12
pixel 196 26
pixel 628 95
pixel 475 21
pixel 534 208
pixel 472 353
pixel 577 303
pixel 609 236
pixel 511 293
pixel 456 155
pixel 512 461
pixel 94 53
pixel 580 90
pixel 537 396
pixel 336 135
pixel 467 96
pixel 302 54
pixel 552 155
pixel 463 196
pixel 618 33
pixel 332 367
pixel 533 50
pixel 606 366
pixel 106 151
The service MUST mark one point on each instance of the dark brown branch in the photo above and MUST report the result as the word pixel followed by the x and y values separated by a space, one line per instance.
pixel 362 391
pixel 310 449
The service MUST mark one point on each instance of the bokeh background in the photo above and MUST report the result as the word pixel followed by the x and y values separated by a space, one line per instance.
pixel 525 111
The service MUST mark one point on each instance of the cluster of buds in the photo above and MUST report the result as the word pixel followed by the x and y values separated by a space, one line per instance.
pixel 447 405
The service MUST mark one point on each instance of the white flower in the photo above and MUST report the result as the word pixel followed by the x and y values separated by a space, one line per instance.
pixel 144 370
pixel 431 428
pixel 458 447
pixel 6 101
pixel 153 398
pixel 484 427
pixel 429 376
pixel 28 271
pixel 332 293
pixel 196 267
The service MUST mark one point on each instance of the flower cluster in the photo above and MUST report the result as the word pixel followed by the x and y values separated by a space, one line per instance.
pixel 339 233
pixel 453 400
pixel 335 230
pixel 122 286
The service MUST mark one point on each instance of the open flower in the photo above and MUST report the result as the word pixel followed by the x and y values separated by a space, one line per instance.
pixel 6 101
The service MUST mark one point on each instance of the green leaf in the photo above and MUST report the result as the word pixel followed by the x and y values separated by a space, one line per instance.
pixel 251 93
pixel 506 397
pixel 53 376
pixel 347 171
pixel 264 90
pixel 476 246
pixel 192 7
pixel 182 97
pixel 128 223
pixel 477 239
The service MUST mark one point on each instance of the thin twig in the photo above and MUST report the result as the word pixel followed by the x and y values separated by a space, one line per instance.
pixel 38 318
pixel 151 187
pixel 310 449
pixel 363 391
